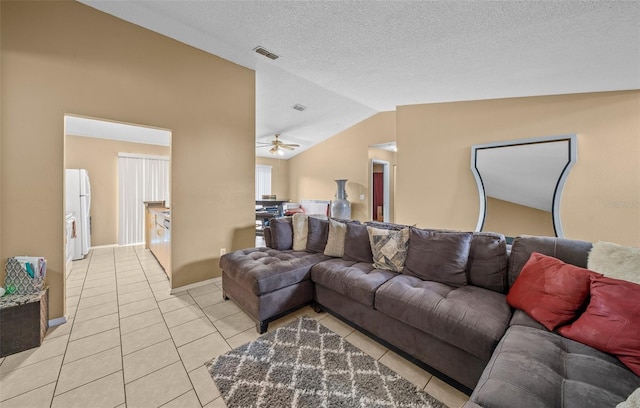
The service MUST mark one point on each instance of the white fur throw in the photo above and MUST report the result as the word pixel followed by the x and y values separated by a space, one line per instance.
pixel 632 402
pixel 615 261
pixel 300 225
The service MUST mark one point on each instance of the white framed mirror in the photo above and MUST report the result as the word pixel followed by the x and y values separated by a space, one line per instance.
pixel 520 183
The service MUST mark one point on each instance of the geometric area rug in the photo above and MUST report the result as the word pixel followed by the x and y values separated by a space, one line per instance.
pixel 304 364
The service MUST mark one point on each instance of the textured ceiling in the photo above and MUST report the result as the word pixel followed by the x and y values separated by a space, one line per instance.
pixel 347 60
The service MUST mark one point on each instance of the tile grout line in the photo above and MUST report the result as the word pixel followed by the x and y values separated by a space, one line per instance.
pixel 124 385
pixel 64 355
pixel 178 352
pixel 174 345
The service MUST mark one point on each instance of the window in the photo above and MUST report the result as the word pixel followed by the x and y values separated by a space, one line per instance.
pixel 263 181
pixel 141 178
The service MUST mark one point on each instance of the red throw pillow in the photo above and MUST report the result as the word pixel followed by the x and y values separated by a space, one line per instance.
pixel 549 290
pixel 611 322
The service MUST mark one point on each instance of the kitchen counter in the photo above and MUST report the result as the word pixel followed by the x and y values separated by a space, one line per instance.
pixel 158 235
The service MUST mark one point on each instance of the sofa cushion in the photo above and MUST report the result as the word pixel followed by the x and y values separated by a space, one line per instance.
pixel 615 261
pixel 611 322
pixel 300 226
pixel 550 291
pixel 336 239
pixel 356 281
pixel 318 234
pixel 439 256
pixel 389 248
pixel 263 270
pixel 356 244
pixel 471 318
pixel 537 368
pixel 567 250
pixel 281 233
pixel 520 318
pixel 488 262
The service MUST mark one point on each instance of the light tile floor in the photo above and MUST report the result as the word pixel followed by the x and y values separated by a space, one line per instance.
pixel 130 343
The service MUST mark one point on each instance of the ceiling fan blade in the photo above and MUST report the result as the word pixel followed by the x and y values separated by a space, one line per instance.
pixel 290 144
pixel 286 147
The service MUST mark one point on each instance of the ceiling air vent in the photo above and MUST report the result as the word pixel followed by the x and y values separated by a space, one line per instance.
pixel 266 53
pixel 299 107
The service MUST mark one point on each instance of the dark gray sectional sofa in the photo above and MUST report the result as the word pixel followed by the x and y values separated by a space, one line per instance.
pixel 464 332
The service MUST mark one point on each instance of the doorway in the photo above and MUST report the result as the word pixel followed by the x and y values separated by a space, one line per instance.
pixel 92 146
pixel 380 190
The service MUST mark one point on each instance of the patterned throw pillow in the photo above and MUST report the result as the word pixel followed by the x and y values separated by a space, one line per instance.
pixel 389 248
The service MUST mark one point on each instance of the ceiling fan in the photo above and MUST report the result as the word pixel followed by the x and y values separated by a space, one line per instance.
pixel 277 146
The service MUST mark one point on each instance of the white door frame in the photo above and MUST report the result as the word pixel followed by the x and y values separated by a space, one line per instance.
pixel 385 178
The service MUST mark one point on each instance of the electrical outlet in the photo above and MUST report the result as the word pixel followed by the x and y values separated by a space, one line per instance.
pixel 223 251
pixel 362 197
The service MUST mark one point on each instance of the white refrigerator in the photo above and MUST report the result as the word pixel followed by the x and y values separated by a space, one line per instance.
pixel 79 202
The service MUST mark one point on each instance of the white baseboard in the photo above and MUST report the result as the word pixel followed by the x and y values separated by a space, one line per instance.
pixel 192 286
pixel 58 321
pixel 104 246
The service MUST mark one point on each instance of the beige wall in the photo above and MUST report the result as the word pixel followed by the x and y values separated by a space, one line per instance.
pixel 100 158
pixel 345 155
pixel 65 57
pixel 512 219
pixel 279 176
pixel 2 131
pixel 435 187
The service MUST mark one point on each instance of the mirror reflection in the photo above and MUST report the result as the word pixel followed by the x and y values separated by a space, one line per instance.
pixel 520 184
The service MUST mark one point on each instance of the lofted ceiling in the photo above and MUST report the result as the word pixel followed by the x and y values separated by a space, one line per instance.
pixel 347 60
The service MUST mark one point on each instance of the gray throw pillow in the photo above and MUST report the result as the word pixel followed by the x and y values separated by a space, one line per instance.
pixel 318 234
pixel 356 244
pixel 335 240
pixel 389 248
pixel 439 256
pixel 281 233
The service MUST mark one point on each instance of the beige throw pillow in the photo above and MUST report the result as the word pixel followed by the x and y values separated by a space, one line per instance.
pixel 615 261
pixel 300 223
pixel 335 242
pixel 389 248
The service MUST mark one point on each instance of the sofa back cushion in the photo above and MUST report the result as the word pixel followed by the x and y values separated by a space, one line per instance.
pixel 488 262
pixel 356 244
pixel 281 233
pixel 318 234
pixel 439 256
pixel 567 250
